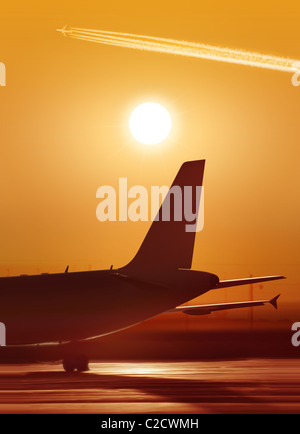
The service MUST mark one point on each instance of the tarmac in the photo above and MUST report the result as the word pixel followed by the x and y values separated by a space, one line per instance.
pixel 181 387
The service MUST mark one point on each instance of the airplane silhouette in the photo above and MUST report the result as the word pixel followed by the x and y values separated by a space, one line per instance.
pixel 75 306
pixel 64 30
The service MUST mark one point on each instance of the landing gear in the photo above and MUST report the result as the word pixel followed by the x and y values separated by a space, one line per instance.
pixel 73 363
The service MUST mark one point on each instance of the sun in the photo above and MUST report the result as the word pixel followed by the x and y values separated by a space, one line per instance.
pixel 150 123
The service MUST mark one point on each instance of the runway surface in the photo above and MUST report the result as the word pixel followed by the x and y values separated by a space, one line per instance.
pixel 241 386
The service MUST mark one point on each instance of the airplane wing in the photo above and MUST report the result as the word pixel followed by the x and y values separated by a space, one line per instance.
pixel 206 309
pixel 249 281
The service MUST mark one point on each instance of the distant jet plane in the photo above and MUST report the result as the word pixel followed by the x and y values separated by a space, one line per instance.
pixel 68 307
pixel 64 30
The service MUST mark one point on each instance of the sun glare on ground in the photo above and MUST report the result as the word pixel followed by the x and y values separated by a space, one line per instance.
pixel 150 123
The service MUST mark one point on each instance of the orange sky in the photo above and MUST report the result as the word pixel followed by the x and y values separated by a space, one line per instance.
pixel 64 132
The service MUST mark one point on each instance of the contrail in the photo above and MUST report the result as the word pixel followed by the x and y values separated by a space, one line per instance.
pixel 183 48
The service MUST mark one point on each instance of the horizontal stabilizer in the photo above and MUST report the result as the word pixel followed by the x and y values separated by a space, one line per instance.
pixel 206 309
pixel 248 281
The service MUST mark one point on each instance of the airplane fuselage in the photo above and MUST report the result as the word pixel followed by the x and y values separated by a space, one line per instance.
pixel 74 306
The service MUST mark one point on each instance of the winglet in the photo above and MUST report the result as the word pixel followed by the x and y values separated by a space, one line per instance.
pixel 273 302
pixel 67 269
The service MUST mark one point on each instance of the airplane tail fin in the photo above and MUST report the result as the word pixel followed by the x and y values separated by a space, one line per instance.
pixel 169 243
